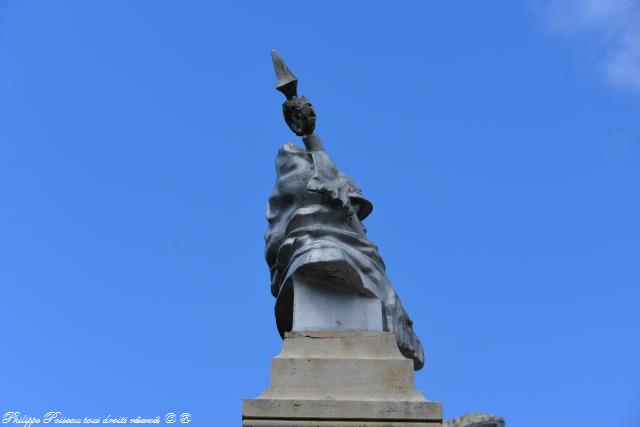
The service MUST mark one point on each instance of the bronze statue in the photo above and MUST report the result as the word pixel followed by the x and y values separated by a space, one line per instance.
pixel 316 234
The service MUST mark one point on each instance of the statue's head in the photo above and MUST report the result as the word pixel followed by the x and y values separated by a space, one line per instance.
pixel 299 115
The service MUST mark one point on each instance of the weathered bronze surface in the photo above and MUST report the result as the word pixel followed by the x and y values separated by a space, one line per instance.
pixel 316 228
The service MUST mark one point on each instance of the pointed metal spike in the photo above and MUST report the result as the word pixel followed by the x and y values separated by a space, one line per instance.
pixel 286 82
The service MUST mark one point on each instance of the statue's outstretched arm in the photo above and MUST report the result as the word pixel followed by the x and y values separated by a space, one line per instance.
pixel 301 119
pixel 298 111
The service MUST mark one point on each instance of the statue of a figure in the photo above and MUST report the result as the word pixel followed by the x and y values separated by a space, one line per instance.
pixel 316 234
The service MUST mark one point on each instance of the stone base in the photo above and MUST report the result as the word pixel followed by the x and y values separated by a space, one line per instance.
pixel 341 379
pixel 307 413
pixel 324 308
pixel 336 423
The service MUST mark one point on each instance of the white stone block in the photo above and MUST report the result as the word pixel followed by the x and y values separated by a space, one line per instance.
pixel 341 379
pixel 325 308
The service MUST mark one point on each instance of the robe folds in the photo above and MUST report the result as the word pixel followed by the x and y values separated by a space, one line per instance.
pixel 315 216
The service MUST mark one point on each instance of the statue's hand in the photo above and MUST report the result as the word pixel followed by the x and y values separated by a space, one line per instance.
pixel 299 115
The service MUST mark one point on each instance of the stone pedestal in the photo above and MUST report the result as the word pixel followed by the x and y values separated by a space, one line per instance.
pixel 341 379
pixel 318 307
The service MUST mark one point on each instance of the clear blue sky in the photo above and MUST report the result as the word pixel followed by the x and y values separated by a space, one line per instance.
pixel 499 142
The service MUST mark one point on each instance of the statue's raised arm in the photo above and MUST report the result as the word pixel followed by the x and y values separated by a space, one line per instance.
pixel 298 112
pixel 325 273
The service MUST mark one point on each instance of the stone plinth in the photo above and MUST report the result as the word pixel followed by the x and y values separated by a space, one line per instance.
pixel 318 307
pixel 341 379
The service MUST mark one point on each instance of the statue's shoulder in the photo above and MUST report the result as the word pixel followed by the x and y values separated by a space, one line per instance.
pixel 290 148
pixel 291 153
pixel 292 157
